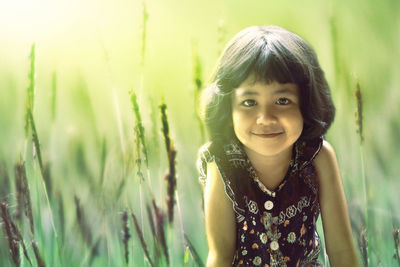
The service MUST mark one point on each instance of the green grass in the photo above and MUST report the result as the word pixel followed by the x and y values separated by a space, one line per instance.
pixel 86 145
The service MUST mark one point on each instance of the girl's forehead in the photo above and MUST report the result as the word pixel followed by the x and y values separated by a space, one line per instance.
pixel 263 88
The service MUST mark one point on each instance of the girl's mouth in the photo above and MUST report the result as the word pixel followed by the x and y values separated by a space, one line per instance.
pixel 268 135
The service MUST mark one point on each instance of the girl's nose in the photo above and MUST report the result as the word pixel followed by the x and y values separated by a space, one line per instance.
pixel 266 116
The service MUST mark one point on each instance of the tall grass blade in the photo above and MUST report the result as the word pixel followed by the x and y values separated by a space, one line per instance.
pixel 39 156
pixel 39 259
pixel 160 223
pixel 94 250
pixel 18 237
pixel 157 252
pixel 23 194
pixel 141 238
pixel 30 91
pixel 103 160
pixel 171 175
pixel 82 223
pixel 363 244
pixel 194 252
pixel 359 124
pixel 12 241
pixel 61 215
pixel 396 255
pixel 359 113
pixel 145 17
pixel 396 238
pixel 139 134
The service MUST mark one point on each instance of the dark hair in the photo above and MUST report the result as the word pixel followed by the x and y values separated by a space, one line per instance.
pixel 270 53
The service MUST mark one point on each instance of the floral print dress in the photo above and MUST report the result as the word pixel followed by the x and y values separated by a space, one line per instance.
pixel 274 228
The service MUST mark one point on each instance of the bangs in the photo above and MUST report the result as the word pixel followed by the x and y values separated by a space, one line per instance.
pixel 266 56
pixel 273 64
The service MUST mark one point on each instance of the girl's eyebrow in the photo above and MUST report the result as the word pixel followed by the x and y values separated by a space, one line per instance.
pixel 246 92
pixel 285 90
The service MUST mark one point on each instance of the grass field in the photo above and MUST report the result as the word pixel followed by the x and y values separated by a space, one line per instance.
pixel 99 132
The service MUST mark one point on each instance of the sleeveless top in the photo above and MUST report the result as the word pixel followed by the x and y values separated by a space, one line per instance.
pixel 274 228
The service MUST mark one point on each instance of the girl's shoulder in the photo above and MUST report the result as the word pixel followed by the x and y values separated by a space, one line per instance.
pixel 212 151
pixel 228 156
pixel 326 160
pixel 307 151
pixel 209 152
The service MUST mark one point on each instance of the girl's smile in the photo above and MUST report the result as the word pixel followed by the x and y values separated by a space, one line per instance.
pixel 267 135
pixel 266 117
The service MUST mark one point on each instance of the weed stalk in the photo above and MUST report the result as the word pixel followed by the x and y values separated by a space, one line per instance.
pixel 359 124
pixel 30 91
pixel 39 156
pixel 12 241
pixel 23 195
pixel 83 225
pixel 171 175
pixel 126 235
pixel 39 259
pixel 160 222
pixel 193 251
pixel 141 238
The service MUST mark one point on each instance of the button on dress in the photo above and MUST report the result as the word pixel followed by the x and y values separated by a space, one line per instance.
pixel 275 228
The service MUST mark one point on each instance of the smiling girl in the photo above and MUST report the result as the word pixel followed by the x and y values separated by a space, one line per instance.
pixel 267 170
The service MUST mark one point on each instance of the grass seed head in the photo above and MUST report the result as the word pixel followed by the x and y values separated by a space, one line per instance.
pixel 139 131
pixel 359 113
pixel 30 91
pixel 19 189
pixel 18 237
pixel 23 194
pixel 12 240
pixel 126 235
pixel 145 17
pixel 396 254
pixel 36 142
pixel 171 175
pixel 363 243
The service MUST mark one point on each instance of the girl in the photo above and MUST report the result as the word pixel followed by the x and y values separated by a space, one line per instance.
pixel 268 172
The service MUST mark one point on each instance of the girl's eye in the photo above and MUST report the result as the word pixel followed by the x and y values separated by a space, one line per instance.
pixel 248 103
pixel 282 101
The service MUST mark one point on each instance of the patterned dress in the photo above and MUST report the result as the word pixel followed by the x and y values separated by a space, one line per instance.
pixel 274 228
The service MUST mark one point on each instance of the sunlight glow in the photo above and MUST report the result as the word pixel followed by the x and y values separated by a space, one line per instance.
pixel 27 20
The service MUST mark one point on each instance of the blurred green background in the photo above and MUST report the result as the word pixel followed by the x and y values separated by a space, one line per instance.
pixel 89 56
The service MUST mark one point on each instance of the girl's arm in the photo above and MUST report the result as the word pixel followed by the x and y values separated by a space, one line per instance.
pixel 335 217
pixel 220 221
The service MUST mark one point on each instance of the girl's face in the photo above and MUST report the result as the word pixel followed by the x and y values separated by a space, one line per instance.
pixel 267 117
